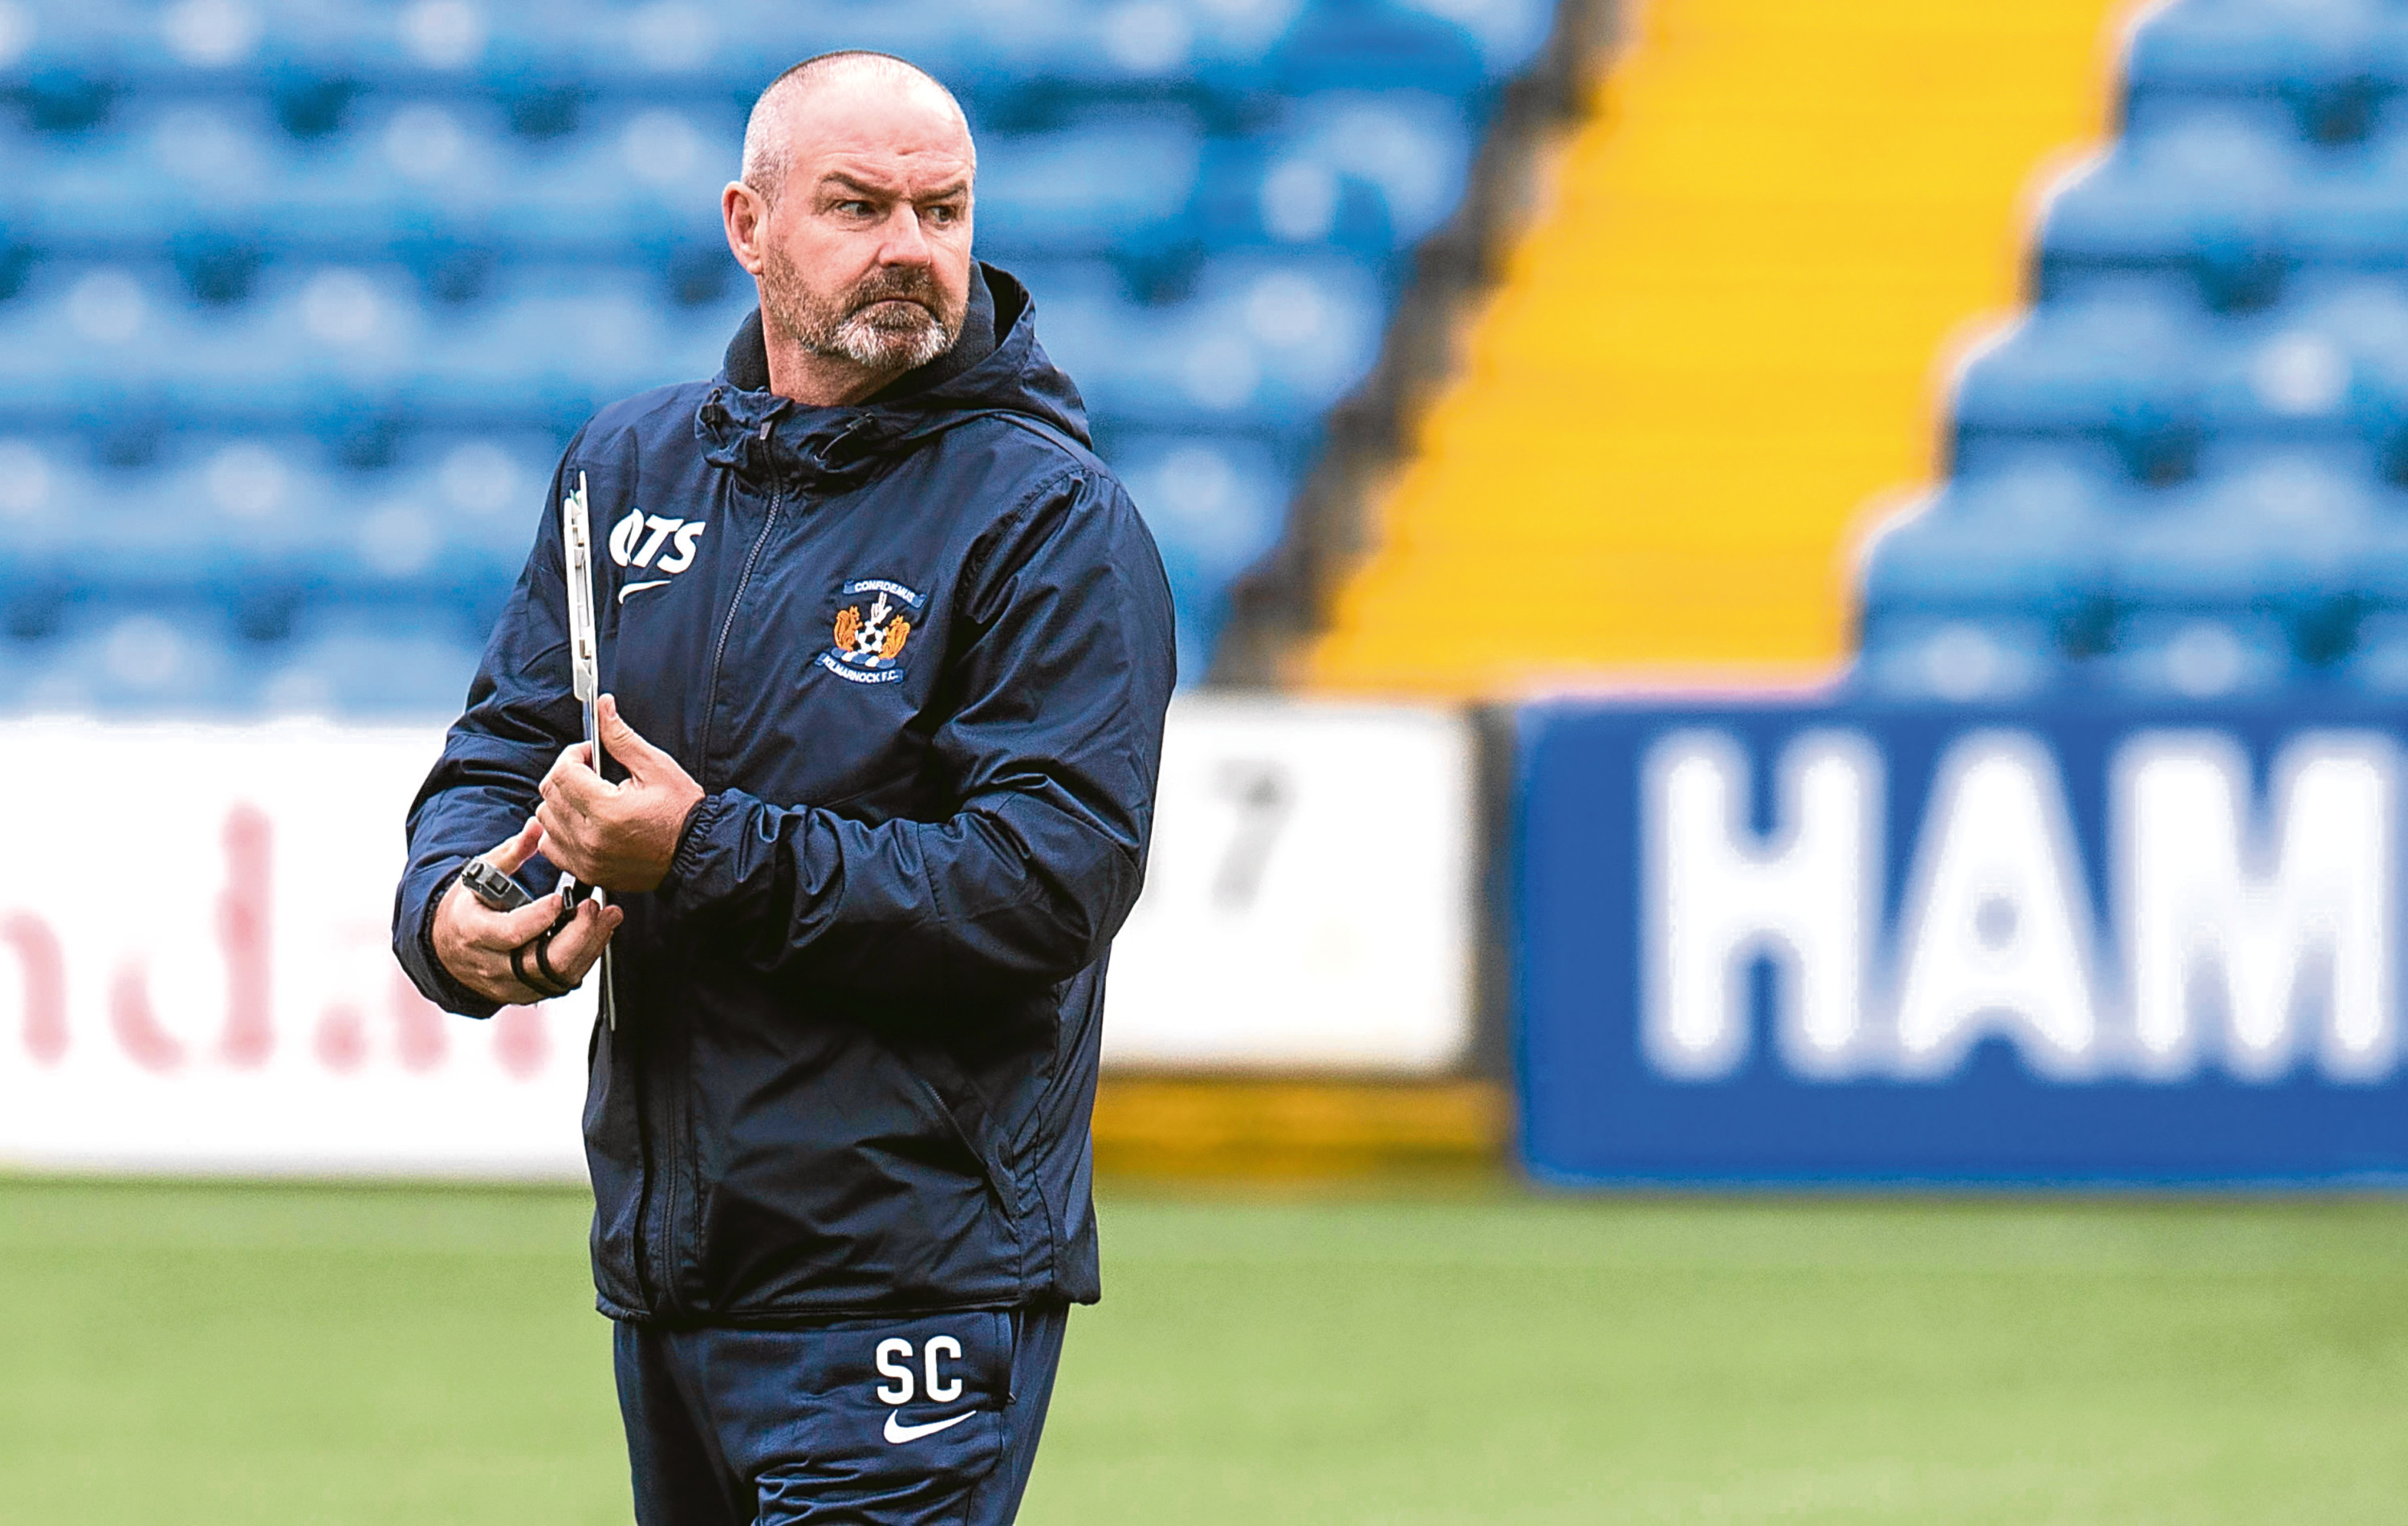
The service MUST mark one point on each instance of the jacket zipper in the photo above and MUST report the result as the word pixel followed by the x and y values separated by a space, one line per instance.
pixel 727 628
pixel 672 1292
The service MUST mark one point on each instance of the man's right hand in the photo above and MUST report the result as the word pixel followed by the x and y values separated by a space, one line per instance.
pixel 473 940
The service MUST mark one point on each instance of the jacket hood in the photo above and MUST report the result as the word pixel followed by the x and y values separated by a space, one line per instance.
pixel 995 366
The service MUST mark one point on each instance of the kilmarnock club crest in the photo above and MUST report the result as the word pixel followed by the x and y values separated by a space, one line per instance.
pixel 873 620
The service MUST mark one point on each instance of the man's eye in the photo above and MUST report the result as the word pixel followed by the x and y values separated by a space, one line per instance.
pixel 944 214
pixel 854 209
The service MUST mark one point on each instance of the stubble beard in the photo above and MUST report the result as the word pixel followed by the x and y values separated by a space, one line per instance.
pixel 889 321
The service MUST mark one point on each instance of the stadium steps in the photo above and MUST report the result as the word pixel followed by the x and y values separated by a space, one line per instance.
pixel 1719 341
pixel 1299 1129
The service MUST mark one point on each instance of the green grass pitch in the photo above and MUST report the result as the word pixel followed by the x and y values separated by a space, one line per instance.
pixel 231 1354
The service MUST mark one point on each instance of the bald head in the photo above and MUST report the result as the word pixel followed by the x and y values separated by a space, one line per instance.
pixel 853 219
pixel 833 92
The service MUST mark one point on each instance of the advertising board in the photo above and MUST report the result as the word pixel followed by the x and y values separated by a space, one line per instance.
pixel 1308 902
pixel 194 973
pixel 1837 940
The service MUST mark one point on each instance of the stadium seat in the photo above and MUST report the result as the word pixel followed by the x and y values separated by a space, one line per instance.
pixel 2349 210
pixel 2028 542
pixel 1113 184
pixel 186 178
pixel 381 664
pixel 261 530
pixel 1216 506
pixel 2284 540
pixel 1507 33
pixel 1960 658
pixel 1266 343
pixel 162 661
pixel 546 350
pixel 2378 663
pixel 2326 375
pixel 2119 368
pixel 2198 206
pixel 2326 67
pixel 235 527
pixel 1377 45
pixel 2200 657
pixel 2001 553
pixel 1371 172
pixel 44 491
pixel 356 354
pixel 645 178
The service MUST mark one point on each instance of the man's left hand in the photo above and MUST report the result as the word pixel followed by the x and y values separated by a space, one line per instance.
pixel 620 836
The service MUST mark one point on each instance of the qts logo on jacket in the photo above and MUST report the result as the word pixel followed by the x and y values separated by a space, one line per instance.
pixel 636 540
pixel 873 620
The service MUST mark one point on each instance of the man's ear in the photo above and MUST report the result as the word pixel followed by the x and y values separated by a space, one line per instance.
pixel 746 216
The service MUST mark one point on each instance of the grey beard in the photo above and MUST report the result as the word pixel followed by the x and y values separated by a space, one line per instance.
pixel 871 344
pixel 855 336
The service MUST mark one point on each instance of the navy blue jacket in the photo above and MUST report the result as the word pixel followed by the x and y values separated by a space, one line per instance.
pixel 917 653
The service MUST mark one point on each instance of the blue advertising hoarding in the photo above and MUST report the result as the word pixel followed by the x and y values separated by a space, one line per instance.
pixel 1841 941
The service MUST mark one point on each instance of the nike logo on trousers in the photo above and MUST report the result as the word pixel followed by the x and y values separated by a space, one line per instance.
pixel 898 1432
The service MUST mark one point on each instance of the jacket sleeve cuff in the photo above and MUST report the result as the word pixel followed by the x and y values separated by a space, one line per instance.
pixel 703 869
pixel 430 975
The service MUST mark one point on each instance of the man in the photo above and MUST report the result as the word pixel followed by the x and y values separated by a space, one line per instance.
pixel 888 651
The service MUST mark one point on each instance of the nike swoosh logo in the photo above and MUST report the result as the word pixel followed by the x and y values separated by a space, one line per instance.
pixel 640 587
pixel 898 1432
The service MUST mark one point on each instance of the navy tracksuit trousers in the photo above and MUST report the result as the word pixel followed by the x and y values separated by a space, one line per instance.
pixel 906 1422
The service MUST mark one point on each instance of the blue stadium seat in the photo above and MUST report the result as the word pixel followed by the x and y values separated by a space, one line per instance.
pixel 448 529
pixel 2324 68
pixel 443 187
pixel 1507 33
pixel 1996 550
pixel 356 353
pixel 545 351
pixel 485 488
pixel 325 346
pixel 1961 658
pixel 2378 666
pixel 1373 172
pixel 547 59
pixel 2225 655
pixel 2119 368
pixel 1264 343
pixel 263 529
pixel 114 661
pixel 46 493
pixel 1378 45
pixel 640 182
pixel 237 528
pixel 447 189
pixel 2198 206
pixel 1216 506
pixel 1111 185
pixel 406 169
pixel 382 664
pixel 66 65
pixel 977 49
pixel 115 352
pixel 185 177
pixel 1129 51
pixel 2283 540
pixel 2326 374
